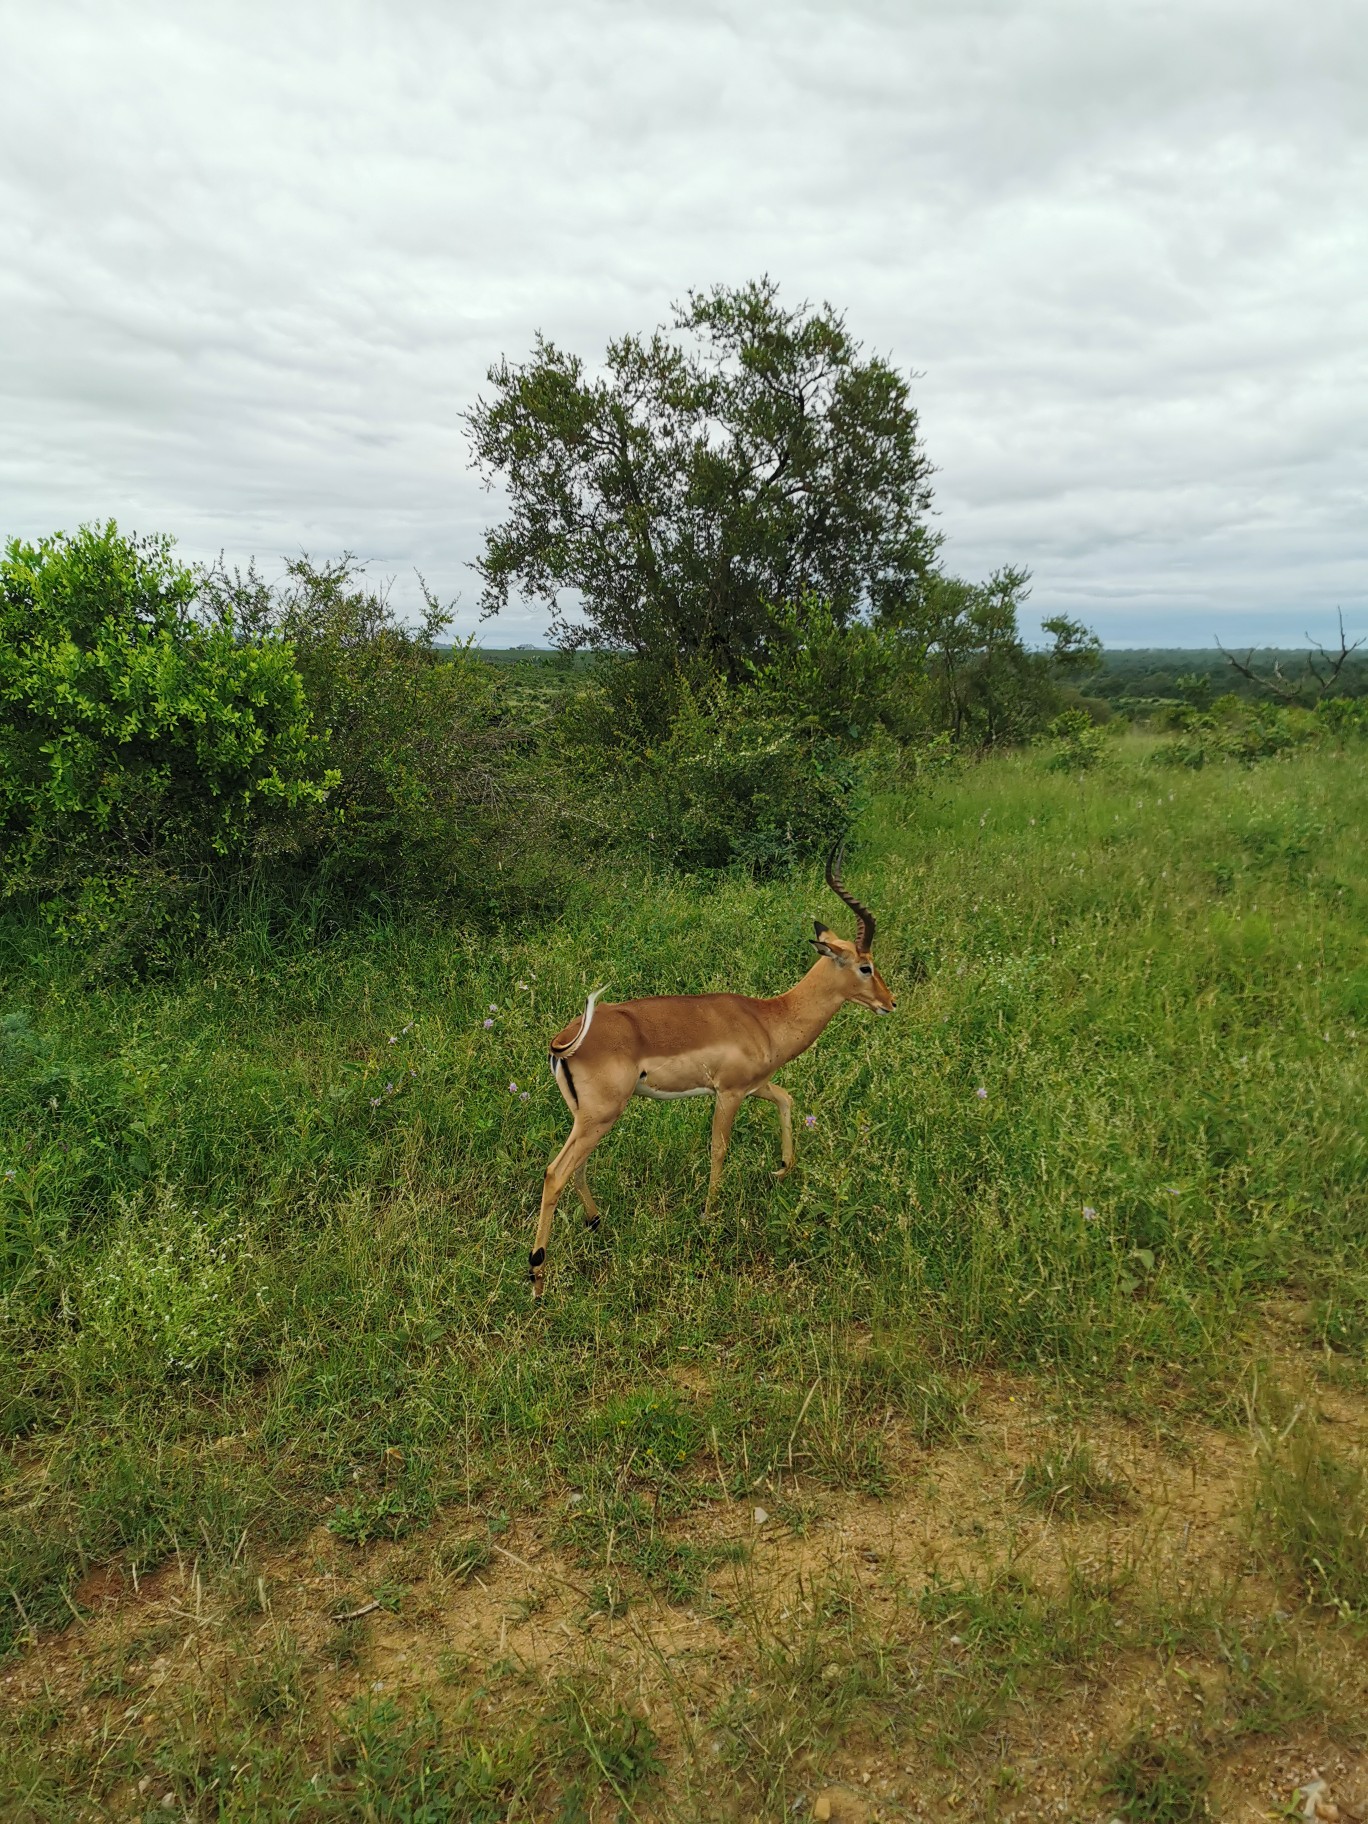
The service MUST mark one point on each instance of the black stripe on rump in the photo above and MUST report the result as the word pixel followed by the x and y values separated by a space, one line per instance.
pixel 569 1081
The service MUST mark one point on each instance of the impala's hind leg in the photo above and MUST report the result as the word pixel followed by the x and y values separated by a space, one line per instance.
pixel 783 1101
pixel 567 1164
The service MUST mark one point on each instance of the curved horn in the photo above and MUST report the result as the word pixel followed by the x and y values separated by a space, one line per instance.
pixel 864 935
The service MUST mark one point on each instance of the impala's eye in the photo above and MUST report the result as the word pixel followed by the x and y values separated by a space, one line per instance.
pixel 866 968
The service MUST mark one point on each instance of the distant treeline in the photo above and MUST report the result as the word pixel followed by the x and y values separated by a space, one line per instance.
pixel 1174 672
pixel 1155 673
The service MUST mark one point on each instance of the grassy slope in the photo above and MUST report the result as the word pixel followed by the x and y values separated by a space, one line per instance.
pixel 234 1281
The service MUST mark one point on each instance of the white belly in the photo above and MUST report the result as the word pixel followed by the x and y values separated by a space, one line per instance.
pixel 669 1095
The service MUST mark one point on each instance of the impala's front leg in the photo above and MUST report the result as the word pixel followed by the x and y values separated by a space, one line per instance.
pixel 724 1114
pixel 783 1101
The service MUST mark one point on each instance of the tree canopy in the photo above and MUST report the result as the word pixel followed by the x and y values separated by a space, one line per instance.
pixel 754 456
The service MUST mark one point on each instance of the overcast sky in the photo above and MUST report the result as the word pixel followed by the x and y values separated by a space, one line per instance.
pixel 257 259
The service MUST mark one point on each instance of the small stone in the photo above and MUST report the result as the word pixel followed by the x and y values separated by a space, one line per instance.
pixel 168 1801
pixel 144 1783
pixel 821 1809
pixel 760 1518
pixel 1315 1795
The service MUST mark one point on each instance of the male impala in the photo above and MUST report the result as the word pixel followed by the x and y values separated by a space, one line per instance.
pixel 723 1045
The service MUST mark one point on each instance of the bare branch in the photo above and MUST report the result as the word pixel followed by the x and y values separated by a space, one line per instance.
pixel 1336 663
pixel 1277 685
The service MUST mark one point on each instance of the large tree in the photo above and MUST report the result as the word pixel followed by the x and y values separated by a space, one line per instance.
pixel 752 457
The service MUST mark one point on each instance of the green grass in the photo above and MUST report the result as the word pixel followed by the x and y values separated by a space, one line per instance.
pixel 264 1226
pixel 1311 1510
pixel 1160 1782
pixel 1069 1483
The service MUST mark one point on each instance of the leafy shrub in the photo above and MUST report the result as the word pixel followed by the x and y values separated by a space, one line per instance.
pixel 730 787
pixel 844 680
pixel 726 784
pixel 982 682
pixel 430 799
pixel 139 748
pixel 1234 729
pixel 1079 745
pixel 1343 716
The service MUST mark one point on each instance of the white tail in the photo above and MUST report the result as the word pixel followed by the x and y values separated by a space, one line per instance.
pixel 560 1052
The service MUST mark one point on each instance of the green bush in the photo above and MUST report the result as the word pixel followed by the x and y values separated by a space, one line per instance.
pixel 140 750
pixel 697 773
pixel 1079 745
pixel 728 786
pixel 1343 716
pixel 982 683
pixel 435 794
pixel 845 681
pixel 1235 729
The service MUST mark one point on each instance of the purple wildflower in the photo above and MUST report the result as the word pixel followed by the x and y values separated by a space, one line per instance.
pixel 512 1089
pixel 1089 1213
pixel 981 1093
pixel 809 1120
pixel 488 1024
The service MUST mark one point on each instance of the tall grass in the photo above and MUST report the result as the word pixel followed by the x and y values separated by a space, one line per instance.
pixel 264 1226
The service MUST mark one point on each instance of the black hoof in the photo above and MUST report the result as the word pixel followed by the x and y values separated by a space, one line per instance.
pixel 591 1222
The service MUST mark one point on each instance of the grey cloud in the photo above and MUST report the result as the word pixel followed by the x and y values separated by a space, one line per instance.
pixel 259 259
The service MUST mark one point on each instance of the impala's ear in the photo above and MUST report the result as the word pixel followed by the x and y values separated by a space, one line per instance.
pixel 819 943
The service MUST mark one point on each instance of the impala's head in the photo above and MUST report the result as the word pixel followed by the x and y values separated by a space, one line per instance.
pixel 859 979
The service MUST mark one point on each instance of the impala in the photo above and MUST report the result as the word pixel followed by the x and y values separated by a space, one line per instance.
pixel 727 1046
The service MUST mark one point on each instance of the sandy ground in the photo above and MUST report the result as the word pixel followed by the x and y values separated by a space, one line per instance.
pixel 952 1511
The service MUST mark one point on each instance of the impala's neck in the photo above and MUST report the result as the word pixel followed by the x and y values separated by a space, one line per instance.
pixel 807 1007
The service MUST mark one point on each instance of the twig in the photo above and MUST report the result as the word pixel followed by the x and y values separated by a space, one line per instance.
pixel 367 1608
pixel 555 1576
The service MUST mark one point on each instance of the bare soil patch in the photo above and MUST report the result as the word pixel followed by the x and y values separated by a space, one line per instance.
pixel 946 1650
